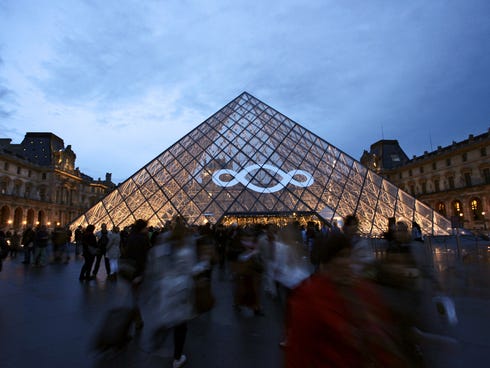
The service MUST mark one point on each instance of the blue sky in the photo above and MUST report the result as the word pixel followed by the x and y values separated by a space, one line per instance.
pixel 122 80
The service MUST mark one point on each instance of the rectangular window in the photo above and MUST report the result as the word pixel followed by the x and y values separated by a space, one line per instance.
pixel 424 187
pixel 410 172
pixel 448 162
pixel 434 166
pixel 450 182
pixel 412 189
pixel 486 176
pixel 19 170
pixel 464 157
pixel 483 151
pixel 399 175
pixel 437 185
pixel 421 169
pixel 29 173
pixel 44 176
pixel 6 166
pixel 467 179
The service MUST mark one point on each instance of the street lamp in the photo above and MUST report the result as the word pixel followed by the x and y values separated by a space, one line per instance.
pixel 484 221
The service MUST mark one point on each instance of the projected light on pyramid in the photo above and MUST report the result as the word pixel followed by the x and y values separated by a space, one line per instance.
pixel 248 158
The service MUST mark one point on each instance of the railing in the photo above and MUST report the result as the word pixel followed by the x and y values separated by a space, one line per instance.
pixel 459 263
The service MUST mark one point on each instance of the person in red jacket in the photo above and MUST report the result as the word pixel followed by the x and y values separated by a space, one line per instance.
pixel 337 318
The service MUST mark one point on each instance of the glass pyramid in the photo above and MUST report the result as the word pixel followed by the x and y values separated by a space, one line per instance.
pixel 250 159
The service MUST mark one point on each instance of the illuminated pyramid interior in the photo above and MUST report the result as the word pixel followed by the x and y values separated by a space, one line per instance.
pixel 250 160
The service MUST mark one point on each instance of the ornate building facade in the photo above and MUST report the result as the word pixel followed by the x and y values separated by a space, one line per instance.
pixel 39 183
pixel 454 180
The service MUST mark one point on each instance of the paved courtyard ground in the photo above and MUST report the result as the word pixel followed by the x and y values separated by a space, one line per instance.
pixel 47 318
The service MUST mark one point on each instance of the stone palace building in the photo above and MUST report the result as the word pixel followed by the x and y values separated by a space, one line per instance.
pixel 39 183
pixel 454 180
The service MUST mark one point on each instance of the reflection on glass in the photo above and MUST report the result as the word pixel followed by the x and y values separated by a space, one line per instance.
pixel 273 166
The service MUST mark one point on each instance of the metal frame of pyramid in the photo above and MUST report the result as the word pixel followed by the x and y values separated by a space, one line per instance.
pixel 249 158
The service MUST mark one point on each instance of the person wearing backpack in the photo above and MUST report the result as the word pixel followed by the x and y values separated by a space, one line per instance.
pixel 102 242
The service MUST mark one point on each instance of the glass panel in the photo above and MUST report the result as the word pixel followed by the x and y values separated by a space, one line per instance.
pixel 158 200
pixel 135 200
pixel 154 167
pixel 144 212
pixel 112 200
pixel 258 150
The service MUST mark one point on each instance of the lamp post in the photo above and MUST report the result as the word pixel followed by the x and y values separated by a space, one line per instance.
pixel 484 221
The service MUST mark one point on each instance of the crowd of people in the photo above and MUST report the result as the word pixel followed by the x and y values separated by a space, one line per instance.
pixel 34 244
pixel 327 279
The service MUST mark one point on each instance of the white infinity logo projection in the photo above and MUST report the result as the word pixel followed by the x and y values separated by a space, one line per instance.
pixel 240 177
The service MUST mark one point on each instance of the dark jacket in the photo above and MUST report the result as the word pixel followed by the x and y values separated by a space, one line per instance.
pixel 42 238
pixel 88 240
pixel 136 248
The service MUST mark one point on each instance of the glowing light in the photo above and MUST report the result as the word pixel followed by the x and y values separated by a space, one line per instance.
pixel 240 177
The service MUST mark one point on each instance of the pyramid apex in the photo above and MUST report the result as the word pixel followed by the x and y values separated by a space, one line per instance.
pixel 249 160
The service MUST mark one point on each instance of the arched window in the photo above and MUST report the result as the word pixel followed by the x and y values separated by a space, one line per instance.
pixel 4 216
pixel 457 208
pixel 441 208
pixel 476 209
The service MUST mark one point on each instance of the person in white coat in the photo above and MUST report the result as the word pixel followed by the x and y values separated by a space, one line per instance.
pixel 113 251
pixel 169 286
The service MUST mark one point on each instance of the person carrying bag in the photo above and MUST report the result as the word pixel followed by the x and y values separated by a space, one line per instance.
pixel 169 285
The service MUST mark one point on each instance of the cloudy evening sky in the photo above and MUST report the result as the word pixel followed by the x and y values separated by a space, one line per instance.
pixel 122 80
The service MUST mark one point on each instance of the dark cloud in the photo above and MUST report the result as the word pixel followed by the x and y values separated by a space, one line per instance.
pixel 354 73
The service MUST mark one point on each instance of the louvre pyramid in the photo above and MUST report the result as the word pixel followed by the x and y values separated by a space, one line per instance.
pixel 248 158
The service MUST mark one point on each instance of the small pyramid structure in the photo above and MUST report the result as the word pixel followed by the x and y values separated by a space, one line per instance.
pixel 248 158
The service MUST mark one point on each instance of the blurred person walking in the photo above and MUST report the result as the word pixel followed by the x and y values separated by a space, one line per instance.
pixel 169 283
pixel 28 241
pixel 89 246
pixel 267 248
pixel 248 278
pixel 78 240
pixel 336 318
pixel 102 240
pixel 114 252
pixel 4 248
pixel 59 238
pixel 14 244
pixel 361 253
pixel 41 240
pixel 136 249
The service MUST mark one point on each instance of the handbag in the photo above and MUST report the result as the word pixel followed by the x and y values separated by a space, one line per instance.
pixel 203 296
pixel 127 268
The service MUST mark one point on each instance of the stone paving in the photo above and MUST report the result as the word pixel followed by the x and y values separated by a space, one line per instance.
pixel 47 318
